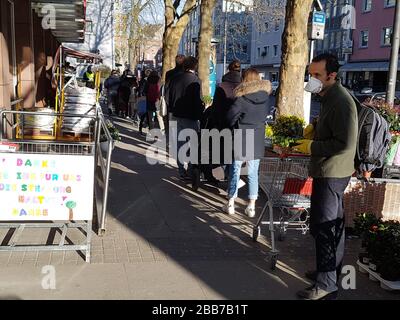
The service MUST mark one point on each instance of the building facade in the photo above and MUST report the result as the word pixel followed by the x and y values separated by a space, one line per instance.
pixel 232 34
pixel 99 31
pixel 369 63
pixel 266 47
pixel 338 31
pixel 27 49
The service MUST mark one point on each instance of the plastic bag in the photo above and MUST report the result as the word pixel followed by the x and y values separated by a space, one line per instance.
pixel 392 152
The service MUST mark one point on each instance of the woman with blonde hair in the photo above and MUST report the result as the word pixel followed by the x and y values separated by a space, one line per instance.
pixel 247 117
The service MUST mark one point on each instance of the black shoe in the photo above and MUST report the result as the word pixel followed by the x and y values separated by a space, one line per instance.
pixel 196 179
pixel 212 180
pixel 185 177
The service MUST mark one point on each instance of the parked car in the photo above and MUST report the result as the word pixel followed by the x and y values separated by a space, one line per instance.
pixel 378 96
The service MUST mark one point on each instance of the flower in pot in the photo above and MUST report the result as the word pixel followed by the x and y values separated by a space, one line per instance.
pixel 114 132
pixel 286 131
pixel 389 240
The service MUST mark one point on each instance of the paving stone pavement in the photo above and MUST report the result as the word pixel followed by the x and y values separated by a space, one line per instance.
pixel 165 241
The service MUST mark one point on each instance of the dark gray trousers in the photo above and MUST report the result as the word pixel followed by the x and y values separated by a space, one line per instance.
pixel 327 226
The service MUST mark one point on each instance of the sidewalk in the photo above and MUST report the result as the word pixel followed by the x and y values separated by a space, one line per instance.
pixel 164 241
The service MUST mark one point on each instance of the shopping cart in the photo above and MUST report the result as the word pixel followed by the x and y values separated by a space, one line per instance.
pixel 287 186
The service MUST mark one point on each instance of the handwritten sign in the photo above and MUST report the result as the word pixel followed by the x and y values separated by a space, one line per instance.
pixel 46 187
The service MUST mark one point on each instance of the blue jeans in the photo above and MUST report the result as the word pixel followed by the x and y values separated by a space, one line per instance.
pixel 234 177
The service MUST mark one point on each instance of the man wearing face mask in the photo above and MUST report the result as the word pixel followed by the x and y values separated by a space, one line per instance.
pixel 332 147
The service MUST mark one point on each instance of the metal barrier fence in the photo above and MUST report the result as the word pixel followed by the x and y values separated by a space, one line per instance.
pixel 103 163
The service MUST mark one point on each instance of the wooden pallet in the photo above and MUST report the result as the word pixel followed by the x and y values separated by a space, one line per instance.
pixel 75 136
pixel 38 134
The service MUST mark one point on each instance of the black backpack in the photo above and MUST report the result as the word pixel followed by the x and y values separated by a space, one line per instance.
pixel 373 138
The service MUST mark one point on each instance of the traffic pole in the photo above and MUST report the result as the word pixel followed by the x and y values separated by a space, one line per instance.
pixel 394 58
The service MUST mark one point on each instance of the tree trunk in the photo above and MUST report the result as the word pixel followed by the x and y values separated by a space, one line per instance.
pixel 174 28
pixel 295 53
pixel 205 36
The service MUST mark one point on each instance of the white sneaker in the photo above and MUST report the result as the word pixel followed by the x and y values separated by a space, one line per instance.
pixel 241 184
pixel 229 209
pixel 250 212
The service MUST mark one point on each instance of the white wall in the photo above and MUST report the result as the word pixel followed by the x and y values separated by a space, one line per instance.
pixel 100 13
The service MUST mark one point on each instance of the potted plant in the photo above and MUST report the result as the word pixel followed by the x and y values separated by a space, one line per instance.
pixel 286 131
pixel 114 132
pixel 388 244
pixel 363 223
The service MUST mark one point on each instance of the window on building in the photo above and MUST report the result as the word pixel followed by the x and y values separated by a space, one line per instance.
pixel 387 36
pixel 275 50
pixel 258 52
pixel 89 26
pixel 244 48
pixel 326 41
pixel 265 52
pixel 328 10
pixel 266 25
pixel 334 10
pixel 277 26
pixel 367 5
pixel 338 39
pixel 332 43
pixel 364 36
pixel 390 3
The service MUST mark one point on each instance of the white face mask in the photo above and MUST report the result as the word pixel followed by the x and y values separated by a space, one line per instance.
pixel 314 85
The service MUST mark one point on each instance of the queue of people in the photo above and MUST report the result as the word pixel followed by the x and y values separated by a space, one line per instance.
pixel 241 102
pixel 126 97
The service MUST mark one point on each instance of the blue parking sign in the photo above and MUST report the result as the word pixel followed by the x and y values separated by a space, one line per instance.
pixel 319 17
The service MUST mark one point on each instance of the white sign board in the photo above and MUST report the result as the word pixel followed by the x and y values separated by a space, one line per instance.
pixel 46 187
pixel 318 25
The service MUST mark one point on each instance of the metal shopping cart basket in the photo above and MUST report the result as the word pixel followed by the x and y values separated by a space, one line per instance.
pixel 286 183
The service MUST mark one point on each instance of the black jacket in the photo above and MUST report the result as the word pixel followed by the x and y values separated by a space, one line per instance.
pixel 172 73
pixel 169 76
pixel 224 98
pixel 249 111
pixel 185 96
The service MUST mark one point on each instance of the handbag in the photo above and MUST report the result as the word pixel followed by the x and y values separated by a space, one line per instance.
pixel 161 105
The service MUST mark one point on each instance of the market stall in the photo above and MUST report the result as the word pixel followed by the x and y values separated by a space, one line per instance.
pixel 49 158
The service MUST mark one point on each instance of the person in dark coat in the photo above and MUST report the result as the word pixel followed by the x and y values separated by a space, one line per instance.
pixel 224 94
pixel 169 76
pixel 248 114
pixel 185 96
pixel 112 84
pixel 124 91
pixel 223 100
pixel 152 93
pixel 179 60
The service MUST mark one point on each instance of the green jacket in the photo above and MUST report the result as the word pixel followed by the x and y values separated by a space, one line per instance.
pixel 335 139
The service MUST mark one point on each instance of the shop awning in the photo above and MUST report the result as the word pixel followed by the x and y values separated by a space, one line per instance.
pixel 70 18
pixel 81 54
pixel 366 66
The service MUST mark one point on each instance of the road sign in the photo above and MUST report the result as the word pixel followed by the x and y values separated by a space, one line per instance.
pixel 318 25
